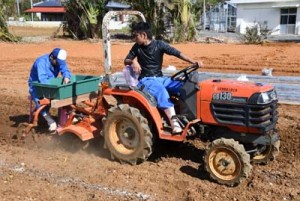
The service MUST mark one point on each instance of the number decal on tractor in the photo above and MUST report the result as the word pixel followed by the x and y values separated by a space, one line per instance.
pixel 222 96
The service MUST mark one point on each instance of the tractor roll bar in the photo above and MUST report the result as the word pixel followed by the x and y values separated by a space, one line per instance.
pixel 106 35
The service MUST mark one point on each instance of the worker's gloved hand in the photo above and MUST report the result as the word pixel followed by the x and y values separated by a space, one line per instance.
pixel 66 80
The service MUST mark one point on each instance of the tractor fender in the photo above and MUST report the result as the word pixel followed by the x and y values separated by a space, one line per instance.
pixel 134 98
pixel 81 132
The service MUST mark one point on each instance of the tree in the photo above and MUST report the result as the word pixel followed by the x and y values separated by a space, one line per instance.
pixel 153 12
pixel 84 18
pixel 7 8
pixel 4 32
pixel 183 19
pixel 182 15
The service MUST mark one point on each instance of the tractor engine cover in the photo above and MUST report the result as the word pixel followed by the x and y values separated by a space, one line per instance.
pixel 244 106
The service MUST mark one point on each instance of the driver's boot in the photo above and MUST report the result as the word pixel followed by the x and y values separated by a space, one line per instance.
pixel 170 112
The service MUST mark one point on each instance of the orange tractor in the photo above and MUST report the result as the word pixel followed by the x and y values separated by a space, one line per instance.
pixel 237 118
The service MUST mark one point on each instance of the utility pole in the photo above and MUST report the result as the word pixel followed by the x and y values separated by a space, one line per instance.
pixel 31 8
pixel 204 15
pixel 18 8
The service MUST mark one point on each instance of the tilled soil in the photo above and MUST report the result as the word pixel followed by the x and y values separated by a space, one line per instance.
pixel 55 169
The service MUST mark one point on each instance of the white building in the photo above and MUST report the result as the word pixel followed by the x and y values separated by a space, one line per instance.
pixel 282 17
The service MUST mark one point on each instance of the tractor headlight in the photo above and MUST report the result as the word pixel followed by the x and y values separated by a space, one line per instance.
pixel 263 98
pixel 267 97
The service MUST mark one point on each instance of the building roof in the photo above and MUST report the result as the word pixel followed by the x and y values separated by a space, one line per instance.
pixel 260 1
pixel 50 3
pixel 55 6
pixel 112 4
pixel 50 6
pixel 46 10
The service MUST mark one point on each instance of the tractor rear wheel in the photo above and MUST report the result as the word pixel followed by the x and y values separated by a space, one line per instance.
pixel 127 135
pixel 227 162
pixel 270 153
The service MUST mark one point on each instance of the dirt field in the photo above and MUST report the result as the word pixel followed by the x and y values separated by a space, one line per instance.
pixel 52 170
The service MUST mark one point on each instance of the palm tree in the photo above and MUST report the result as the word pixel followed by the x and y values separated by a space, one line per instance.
pixel 161 12
pixel 184 26
pixel 84 18
pixel 153 12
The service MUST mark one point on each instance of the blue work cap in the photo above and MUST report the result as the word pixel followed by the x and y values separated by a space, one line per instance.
pixel 60 55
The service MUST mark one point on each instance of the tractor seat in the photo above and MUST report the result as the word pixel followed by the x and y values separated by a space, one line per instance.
pixel 118 81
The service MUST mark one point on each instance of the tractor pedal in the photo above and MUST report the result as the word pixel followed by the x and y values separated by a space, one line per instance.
pixel 53 132
pixel 168 131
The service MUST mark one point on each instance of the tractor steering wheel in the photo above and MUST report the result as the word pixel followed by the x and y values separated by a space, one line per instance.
pixel 183 74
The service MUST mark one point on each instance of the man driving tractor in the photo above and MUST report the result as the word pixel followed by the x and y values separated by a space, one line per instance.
pixel 149 54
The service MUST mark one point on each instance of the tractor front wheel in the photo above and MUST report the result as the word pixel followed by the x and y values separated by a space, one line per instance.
pixel 269 153
pixel 127 135
pixel 227 162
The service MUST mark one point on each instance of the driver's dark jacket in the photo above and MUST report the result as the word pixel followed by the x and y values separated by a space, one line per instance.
pixel 150 57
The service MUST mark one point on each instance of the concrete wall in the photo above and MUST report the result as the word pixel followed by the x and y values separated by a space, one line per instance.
pixel 113 24
pixel 249 14
pixel 35 23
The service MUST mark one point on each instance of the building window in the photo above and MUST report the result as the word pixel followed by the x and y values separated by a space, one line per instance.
pixel 288 20
pixel 288 16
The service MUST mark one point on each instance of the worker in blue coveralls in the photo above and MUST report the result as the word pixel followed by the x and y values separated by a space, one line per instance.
pixel 44 68
pixel 146 58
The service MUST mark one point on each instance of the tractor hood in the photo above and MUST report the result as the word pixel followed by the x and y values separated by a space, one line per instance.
pixel 234 91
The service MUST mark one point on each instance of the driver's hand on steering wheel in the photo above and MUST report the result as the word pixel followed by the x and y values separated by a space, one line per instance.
pixel 181 79
pixel 200 64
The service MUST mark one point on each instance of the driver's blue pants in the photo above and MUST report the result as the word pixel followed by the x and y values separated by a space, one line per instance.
pixel 161 88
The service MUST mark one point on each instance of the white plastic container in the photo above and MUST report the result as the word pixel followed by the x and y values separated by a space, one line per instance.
pixel 171 68
pixel 242 78
pixel 131 77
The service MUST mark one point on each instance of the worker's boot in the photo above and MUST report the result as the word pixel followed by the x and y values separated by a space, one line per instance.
pixel 50 121
pixel 170 112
